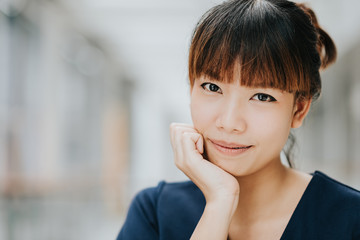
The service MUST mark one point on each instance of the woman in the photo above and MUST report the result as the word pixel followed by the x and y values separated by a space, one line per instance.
pixel 254 72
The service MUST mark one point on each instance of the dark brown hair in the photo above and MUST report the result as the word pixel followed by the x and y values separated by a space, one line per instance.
pixel 277 44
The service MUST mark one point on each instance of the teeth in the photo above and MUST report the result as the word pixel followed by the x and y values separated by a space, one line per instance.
pixel 239 147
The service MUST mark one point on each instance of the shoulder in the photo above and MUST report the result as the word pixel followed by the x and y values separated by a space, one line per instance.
pixel 164 190
pixel 336 205
pixel 162 210
pixel 329 193
pixel 328 209
pixel 165 208
pixel 334 189
pixel 167 198
pixel 180 190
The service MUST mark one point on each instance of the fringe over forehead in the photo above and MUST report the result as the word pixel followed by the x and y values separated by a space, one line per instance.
pixel 273 41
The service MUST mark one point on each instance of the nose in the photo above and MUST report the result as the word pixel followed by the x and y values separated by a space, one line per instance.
pixel 232 118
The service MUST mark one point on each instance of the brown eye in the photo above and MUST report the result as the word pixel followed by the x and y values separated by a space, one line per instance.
pixel 263 97
pixel 211 87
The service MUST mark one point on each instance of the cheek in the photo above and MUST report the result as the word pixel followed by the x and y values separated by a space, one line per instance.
pixel 273 127
pixel 199 115
pixel 203 114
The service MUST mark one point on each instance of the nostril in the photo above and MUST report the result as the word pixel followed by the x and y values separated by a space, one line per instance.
pixel 231 125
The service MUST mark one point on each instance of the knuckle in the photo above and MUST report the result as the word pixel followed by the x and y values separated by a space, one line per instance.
pixel 173 125
pixel 185 137
pixel 187 134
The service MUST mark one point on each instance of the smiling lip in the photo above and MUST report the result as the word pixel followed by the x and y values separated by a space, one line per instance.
pixel 230 149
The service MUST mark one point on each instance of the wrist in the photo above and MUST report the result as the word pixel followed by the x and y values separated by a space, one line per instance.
pixel 224 196
pixel 223 205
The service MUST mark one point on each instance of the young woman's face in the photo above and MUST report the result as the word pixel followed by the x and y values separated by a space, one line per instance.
pixel 244 128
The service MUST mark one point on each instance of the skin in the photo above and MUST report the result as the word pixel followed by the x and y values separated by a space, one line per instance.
pixel 249 193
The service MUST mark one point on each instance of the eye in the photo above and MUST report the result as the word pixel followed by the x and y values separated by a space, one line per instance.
pixel 211 87
pixel 263 97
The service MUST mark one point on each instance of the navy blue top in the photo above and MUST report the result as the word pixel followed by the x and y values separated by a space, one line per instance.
pixel 327 210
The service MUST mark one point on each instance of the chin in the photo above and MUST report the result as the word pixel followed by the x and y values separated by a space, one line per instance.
pixel 236 169
pixel 238 173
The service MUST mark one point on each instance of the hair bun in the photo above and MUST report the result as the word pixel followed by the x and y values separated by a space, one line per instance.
pixel 325 45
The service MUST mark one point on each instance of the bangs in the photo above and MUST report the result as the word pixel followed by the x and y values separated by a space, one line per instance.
pixel 256 39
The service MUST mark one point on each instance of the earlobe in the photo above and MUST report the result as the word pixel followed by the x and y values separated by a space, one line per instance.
pixel 301 109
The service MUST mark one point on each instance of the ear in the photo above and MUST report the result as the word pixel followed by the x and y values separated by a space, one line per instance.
pixel 301 109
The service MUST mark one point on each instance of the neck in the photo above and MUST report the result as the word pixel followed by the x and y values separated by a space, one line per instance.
pixel 260 191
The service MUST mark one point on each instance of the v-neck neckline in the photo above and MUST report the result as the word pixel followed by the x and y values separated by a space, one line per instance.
pixel 299 205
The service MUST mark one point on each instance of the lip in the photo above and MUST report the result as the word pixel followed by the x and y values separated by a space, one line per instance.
pixel 230 149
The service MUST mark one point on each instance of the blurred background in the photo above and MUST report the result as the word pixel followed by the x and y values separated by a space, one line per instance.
pixel 88 89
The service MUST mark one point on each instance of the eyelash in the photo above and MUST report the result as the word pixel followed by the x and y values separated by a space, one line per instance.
pixel 207 87
pixel 267 96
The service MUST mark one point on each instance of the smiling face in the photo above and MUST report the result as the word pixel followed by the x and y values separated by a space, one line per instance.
pixel 254 50
pixel 244 128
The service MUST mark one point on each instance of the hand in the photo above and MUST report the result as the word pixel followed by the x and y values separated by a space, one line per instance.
pixel 216 184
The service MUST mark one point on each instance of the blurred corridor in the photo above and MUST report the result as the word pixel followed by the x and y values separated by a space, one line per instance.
pixel 88 90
